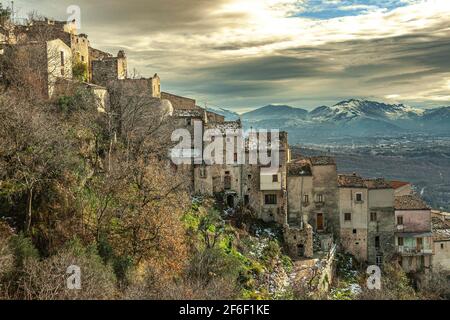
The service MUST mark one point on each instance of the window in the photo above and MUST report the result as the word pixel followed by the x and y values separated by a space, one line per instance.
pixel 275 178
pixel 373 216
pixel 419 243
pixel 235 157
pixel 62 58
pixel 400 242
pixel 227 182
pixel 246 199
pixel 306 198
pixel 82 58
pixel 203 172
pixel 400 220
pixel 249 176
pixel 355 231
pixel 379 260
pixel 320 198
pixel 359 197
pixel 377 242
pixel 348 216
pixel 270 199
pixel 442 246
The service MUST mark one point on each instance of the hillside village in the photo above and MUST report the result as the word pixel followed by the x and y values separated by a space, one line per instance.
pixel 321 212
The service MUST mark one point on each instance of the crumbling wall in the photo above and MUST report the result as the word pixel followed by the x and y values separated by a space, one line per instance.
pixel 299 241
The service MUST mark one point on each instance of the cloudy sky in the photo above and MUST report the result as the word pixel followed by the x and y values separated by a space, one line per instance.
pixel 242 54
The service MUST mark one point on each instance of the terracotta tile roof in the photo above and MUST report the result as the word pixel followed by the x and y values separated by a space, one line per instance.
pixel 351 181
pixel 299 169
pixel 441 229
pixel 379 183
pixel 322 161
pixel 410 202
pixel 398 184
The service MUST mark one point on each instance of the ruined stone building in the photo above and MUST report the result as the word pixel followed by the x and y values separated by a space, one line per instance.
pixel 47 30
pixel 413 234
pixel 41 67
pixel 105 68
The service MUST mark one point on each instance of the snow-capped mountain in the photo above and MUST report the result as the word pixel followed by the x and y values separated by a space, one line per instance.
pixel 354 109
pixel 350 118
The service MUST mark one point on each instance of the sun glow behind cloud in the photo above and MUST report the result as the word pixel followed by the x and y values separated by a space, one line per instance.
pixel 273 18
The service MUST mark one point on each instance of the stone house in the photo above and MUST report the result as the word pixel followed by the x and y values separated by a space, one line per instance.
pixel 266 186
pixel 381 221
pixel 43 67
pixel 225 177
pixel 324 214
pixel 354 214
pixel 48 30
pixel 441 243
pixel 312 204
pixel 313 193
pixel 413 234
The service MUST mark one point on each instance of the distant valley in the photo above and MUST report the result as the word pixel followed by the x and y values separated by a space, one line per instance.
pixel 350 118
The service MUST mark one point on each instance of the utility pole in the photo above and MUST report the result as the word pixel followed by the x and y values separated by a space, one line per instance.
pixel 12 12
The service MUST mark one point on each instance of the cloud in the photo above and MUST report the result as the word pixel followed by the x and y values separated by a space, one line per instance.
pixel 246 53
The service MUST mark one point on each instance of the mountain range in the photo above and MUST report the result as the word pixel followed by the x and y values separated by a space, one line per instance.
pixel 350 118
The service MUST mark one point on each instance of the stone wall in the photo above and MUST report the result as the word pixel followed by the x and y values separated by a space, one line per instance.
pixel 109 69
pixel 354 241
pixel 180 103
pixel 214 117
pixel 299 241
pixel 384 229
pixel 298 187
pixel 354 231
pixel 441 257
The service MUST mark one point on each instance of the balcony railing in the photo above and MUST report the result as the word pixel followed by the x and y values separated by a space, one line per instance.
pixel 412 251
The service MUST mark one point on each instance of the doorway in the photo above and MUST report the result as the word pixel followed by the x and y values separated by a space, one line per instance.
pixel 319 222
pixel 230 201
pixel 301 250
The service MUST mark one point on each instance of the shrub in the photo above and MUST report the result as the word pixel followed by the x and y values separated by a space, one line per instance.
pixel 47 279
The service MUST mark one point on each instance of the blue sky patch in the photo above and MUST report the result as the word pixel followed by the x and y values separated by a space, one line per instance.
pixel 328 9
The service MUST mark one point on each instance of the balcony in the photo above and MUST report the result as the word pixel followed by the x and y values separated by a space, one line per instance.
pixel 319 204
pixel 408 251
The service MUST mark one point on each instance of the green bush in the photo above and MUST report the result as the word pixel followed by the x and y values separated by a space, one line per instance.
pixel 23 249
pixel 80 71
